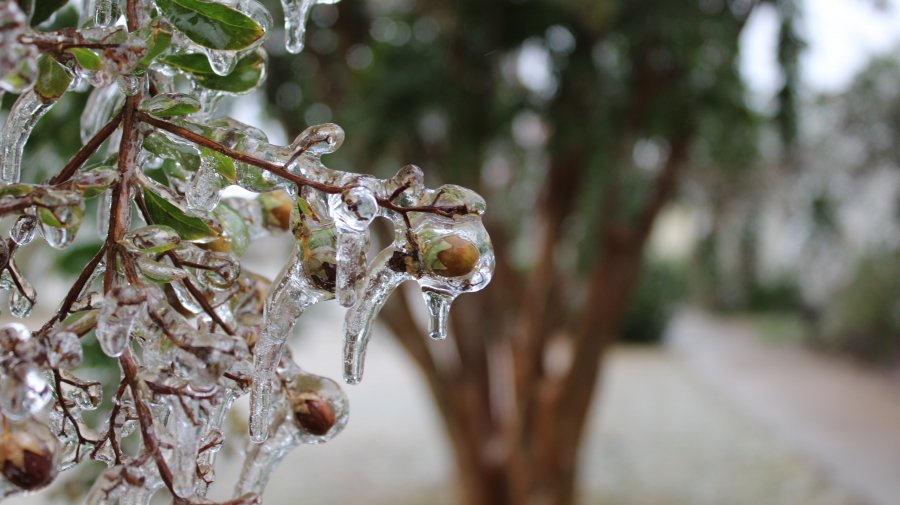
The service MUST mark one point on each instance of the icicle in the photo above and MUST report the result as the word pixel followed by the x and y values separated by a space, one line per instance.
pixel 289 298
pixel 120 308
pixel 316 403
pixel 104 204
pixel 103 12
pixel 185 428
pixel 222 62
pixel 27 110
pixel 381 281
pixel 353 211
pixel 296 12
pixel 439 309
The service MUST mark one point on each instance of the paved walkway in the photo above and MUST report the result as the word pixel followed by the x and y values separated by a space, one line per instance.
pixel 845 419
pixel 672 428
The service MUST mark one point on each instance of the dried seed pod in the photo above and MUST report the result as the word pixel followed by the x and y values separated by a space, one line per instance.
pixel 312 413
pixel 29 454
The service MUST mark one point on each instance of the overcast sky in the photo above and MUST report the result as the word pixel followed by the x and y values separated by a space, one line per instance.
pixel 843 35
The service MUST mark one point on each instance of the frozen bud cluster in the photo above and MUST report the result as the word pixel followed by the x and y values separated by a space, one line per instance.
pixel 166 296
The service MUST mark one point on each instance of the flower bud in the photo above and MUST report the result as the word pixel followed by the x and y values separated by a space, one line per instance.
pixel 313 414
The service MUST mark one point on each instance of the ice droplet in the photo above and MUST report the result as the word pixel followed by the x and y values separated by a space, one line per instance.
pixel 120 308
pixel 25 113
pixel 57 238
pixel 24 229
pixel 222 62
pixel 24 391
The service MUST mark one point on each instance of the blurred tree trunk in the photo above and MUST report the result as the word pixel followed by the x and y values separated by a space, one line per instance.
pixel 516 414
pixel 515 380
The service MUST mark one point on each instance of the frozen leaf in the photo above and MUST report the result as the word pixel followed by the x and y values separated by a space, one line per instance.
pixel 157 38
pixel 165 213
pixel 152 239
pixel 53 79
pixel 211 24
pixel 43 9
pixel 171 104
pixel 247 73
pixel 235 229
pixel 88 59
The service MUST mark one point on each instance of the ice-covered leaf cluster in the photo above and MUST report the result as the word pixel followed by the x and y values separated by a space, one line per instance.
pixel 165 295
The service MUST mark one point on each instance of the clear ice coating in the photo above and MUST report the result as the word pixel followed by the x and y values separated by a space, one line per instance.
pixel 25 113
pixel 296 13
pixel 191 330
pixel 290 295
pixel 121 307
pixel 307 409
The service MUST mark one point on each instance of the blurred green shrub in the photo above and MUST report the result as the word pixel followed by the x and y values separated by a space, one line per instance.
pixel 661 287
pixel 779 295
pixel 864 319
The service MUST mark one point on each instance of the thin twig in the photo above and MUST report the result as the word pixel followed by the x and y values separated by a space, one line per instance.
pixel 447 211
pixel 87 150
pixel 75 290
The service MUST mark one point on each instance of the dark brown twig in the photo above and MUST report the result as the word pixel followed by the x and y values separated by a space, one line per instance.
pixel 87 150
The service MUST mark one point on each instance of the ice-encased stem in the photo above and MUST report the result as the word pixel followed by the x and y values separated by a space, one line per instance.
pixel 438 304
pixel 27 110
pixel 186 436
pixel 262 458
pixel 349 277
pixel 381 281
pixel 291 295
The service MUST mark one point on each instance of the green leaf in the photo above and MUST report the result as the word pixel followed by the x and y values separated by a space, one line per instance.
pixel 164 213
pixel 157 42
pixel 171 104
pixel 165 148
pixel 246 74
pixel 221 163
pixel 211 24
pixel 53 79
pixel 43 9
pixel 16 190
pixel 89 60
pixel 236 228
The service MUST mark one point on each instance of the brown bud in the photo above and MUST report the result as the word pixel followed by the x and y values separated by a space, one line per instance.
pixel 26 461
pixel 312 413
pixel 456 255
